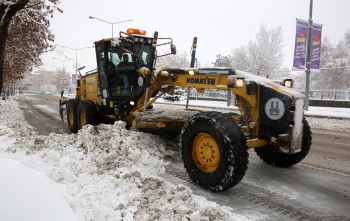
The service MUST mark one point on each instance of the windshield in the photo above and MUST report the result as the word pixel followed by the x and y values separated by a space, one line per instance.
pixel 137 52
pixel 143 54
pixel 117 55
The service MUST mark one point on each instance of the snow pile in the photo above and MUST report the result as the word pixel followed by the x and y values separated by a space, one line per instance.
pixel 329 124
pixel 106 172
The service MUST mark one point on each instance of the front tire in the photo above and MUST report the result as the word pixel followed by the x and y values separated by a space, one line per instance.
pixel 86 114
pixel 213 150
pixel 270 157
pixel 72 109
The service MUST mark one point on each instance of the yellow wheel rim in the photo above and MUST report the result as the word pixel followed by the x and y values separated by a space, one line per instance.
pixel 205 153
pixel 82 119
pixel 71 116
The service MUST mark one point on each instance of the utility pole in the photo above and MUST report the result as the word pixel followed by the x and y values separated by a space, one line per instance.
pixel 193 59
pixel 308 58
pixel 76 60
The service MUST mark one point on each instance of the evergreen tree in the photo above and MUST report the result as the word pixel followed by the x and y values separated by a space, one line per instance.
pixel 179 94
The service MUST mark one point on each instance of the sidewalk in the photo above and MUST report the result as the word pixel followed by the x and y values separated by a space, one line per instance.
pixel 328 112
pixel 29 194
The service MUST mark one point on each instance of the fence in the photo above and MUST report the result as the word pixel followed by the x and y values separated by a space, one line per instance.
pixel 327 94
pixel 313 94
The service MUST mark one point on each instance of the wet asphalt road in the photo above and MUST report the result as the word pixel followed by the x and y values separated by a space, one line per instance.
pixel 42 112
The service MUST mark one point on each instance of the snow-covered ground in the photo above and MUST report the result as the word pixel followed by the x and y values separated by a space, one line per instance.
pixel 101 173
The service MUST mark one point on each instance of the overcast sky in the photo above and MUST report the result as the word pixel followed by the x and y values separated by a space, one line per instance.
pixel 220 25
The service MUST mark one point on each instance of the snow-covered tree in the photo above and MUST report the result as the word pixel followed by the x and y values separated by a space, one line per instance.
pixel 61 78
pixel 327 53
pixel 262 56
pixel 335 59
pixel 8 9
pixel 240 59
pixel 175 61
pixel 222 61
pixel 24 36
pixel 49 87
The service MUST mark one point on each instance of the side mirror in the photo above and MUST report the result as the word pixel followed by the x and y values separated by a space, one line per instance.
pixel 81 68
pixel 173 49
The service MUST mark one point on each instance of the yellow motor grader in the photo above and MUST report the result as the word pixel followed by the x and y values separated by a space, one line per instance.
pixel 214 145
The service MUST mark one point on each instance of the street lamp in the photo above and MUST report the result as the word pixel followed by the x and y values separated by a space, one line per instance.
pixel 76 60
pixel 69 59
pixel 92 17
pixel 59 67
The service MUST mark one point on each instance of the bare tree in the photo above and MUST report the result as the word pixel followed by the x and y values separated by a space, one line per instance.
pixel 61 78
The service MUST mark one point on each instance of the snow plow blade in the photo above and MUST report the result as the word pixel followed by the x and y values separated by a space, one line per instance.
pixel 155 120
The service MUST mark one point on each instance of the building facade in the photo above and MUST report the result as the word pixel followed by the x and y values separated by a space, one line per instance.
pixel 40 78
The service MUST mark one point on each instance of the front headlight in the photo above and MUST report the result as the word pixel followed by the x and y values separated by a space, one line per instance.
pixel 288 83
pixel 234 81
pixel 191 72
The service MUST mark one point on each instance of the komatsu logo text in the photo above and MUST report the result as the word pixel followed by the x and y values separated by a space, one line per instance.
pixel 209 81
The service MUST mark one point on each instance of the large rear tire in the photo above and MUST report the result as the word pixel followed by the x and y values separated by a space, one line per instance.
pixel 72 109
pixel 271 157
pixel 213 150
pixel 86 113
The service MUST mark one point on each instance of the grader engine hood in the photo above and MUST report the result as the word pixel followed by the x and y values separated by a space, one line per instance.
pixel 280 111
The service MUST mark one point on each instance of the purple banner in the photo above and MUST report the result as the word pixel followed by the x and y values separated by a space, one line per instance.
pixel 316 46
pixel 300 45
pixel 74 78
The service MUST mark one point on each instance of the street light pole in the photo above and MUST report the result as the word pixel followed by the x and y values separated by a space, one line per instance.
pixel 58 67
pixel 76 60
pixel 92 17
pixel 62 61
pixel 308 58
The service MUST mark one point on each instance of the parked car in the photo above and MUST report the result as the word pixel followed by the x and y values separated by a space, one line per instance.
pixel 47 92
pixel 42 92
